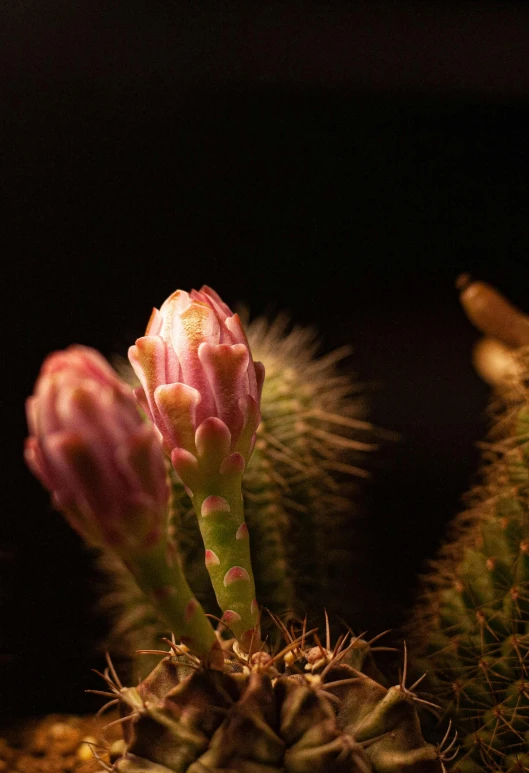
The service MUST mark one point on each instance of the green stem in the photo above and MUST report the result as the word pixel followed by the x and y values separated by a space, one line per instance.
pixel 220 513
pixel 163 582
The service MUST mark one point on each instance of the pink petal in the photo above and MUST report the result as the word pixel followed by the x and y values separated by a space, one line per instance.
pixel 31 413
pixel 235 327
pixel 93 364
pixel 226 367
pixel 147 358
pixel 213 440
pixel 141 400
pixel 78 473
pixel 216 301
pixel 45 409
pixel 141 462
pixel 87 411
pixel 173 371
pixel 154 324
pixel 36 462
pixel 177 405
pixel 80 362
pixel 186 467
pixel 176 303
pixel 251 417
pixel 190 329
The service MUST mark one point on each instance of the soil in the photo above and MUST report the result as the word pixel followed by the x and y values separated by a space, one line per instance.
pixel 60 744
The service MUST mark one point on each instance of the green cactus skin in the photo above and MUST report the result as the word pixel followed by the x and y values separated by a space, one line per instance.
pixel 214 481
pixel 472 624
pixel 300 492
pixel 306 710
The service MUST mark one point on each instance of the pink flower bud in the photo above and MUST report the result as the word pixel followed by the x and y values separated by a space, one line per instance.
pixel 90 447
pixel 194 363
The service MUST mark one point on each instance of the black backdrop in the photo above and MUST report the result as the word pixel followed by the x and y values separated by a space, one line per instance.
pixel 352 202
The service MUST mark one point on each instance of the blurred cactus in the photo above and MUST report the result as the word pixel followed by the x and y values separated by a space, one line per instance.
pixel 471 628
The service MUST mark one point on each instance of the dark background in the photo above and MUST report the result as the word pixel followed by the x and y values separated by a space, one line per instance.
pixel 343 163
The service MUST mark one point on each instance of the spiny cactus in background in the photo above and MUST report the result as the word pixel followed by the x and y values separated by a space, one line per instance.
pixel 306 709
pixel 471 628
pixel 311 448
pixel 301 492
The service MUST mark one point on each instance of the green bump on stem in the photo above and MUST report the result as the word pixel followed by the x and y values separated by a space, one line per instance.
pixel 166 586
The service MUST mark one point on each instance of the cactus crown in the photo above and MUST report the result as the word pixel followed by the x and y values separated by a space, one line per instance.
pixel 308 708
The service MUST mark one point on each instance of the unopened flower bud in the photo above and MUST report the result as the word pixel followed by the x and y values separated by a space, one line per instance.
pixel 202 389
pixel 194 363
pixel 91 448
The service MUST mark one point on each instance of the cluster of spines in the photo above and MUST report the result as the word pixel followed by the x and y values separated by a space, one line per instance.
pixel 472 626
pixel 310 707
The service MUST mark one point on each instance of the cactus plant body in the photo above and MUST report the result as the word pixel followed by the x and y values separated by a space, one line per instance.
pixel 471 628
pixel 218 705
pixel 306 710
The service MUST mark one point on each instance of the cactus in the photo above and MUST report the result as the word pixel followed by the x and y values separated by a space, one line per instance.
pixel 307 709
pixel 471 628
pixel 216 704
pixel 305 473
